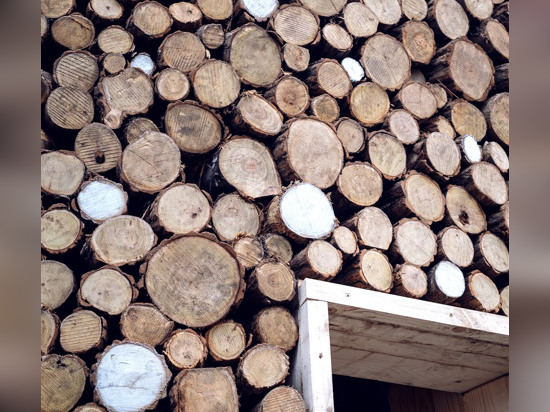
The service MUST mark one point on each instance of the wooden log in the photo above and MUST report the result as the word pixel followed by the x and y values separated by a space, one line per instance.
pixel 387 11
pixel 464 211
pixel 217 10
pixel 216 84
pixel 360 20
pixel 82 331
pixel 496 111
pixel 60 230
pixel 69 108
pixel 437 155
pixel 249 251
pixel 280 399
pixel 107 11
pixel 418 40
pixel 465 68
pixel 409 281
pixel 302 212
pixel 439 93
pixel 151 163
pixel 369 104
pixel 296 58
pixel 49 330
pixel 45 142
pixel 485 182
pixel 322 162
pixel 233 216
pixel 226 341
pixel 290 95
pixel 499 222
pixel 448 19
pixel 403 126
pixel 77 69
pixel 112 63
pixel 128 93
pixel 415 195
pixel 439 124
pixel 275 325
pixel 90 407
pixel 204 390
pixel 455 246
pixel 493 153
pixel 205 278
pixel 181 50
pixel 414 9
pixel 137 126
pixel 150 20
pixel 171 85
pixel 502 80
pixel 413 242
pixel 345 241
pixel 212 35
pixel 505 300
pixel 277 247
pixel 121 240
pixel 353 68
pixel 327 76
pixel 253 115
pixel 54 9
pixel 324 8
pixel 185 349
pixel 144 323
pixel 290 16
pixel 491 255
pixel 57 283
pixel 254 55
pixel 446 283
pixel 107 289
pixel 372 227
pixel 417 76
pixel 325 108
pixel 73 32
pixel 253 375
pixel 478 9
pixel 467 119
pixel 115 39
pixel 494 38
pixel 180 209
pixel 144 62
pixel 44 28
pixel 62 382
pixel 395 70
pixel 370 270
pixel 481 293
pixel 387 155
pixel 271 283
pixel 335 41
pixel 502 14
pixel 185 16
pixel 351 135
pixel 318 260
pixel 417 99
pixel 358 185
pixel 98 147
pixel 118 369
pixel 260 10
pixel 46 86
pixel 61 173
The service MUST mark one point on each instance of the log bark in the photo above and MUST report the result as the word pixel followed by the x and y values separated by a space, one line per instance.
pixel 270 283
pixel 446 283
pixel 82 331
pixel 485 182
pixel 69 108
pixel 418 100
pixel 73 32
pixel 493 153
pixel 277 247
pixel 288 17
pixel 494 38
pixel 351 135
pixel 98 147
pixel 387 155
pixel 448 19
pixel 57 283
pixel 216 84
pixel 496 111
pixel 491 255
pixel 318 260
pixel 212 35
pixel 502 80
pixel 253 115
pixel 296 58
pixel 62 382
pixel 77 69
pixel 409 281
pixel 61 173
pixel 115 39
pixel 60 230
pixel 172 84
pixel 249 251
pixel 144 323
pixel 372 227
pixel 403 126
pixel 185 349
pixel 290 95
pixel 46 86
pixel 370 270
pixel 44 28
pixel 360 21
pixel 325 108
pixel 281 399
pixel 481 293
pixel 464 211
pixel 467 119
pixel 226 341
pixel 185 16
pixel 233 216
pixel 149 20
pixel 414 242
pixel 499 222
pixel 345 241
pixel 136 127
pixel 327 76
pixel 49 330
pixel 455 246
pixel 358 185
pixel 275 325
pixel 369 104
pixel 437 155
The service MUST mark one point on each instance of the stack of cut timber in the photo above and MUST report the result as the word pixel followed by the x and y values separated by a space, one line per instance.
pixel 200 158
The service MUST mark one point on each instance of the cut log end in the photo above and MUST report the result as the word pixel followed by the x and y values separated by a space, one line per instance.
pixel 172 84
pixel 505 300
pixel 369 104
pixel 282 399
pixel 69 108
pixel 49 330
pixel 226 341
pixel 319 260
pixel 207 80
pixel 57 283
pixel 446 282
pixel 387 155
pixel 410 281
pixel 262 367
pixel 481 293
pixel 456 246
pixel 62 382
pixel 249 251
pixel 60 231
pixel 464 210
pixel 276 325
pixel 144 323
pixel 101 199
pixel 82 331
pixel 277 247
pixel 186 349
pixel 232 216
pixel 404 126
pixel 98 147
pixel 107 289
pixel 272 282
pixel 415 242
pixel 373 228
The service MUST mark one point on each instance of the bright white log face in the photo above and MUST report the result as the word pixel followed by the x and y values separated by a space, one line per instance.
pixel 144 62
pixel 260 9
pixel 307 212
pixel 354 69
pixel 100 200
pixel 471 148
pixel 131 377
pixel 449 279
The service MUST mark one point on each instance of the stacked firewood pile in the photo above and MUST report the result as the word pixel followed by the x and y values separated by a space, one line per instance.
pixel 200 158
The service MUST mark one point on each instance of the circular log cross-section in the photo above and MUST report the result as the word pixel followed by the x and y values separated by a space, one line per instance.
pixel 414 242
pixel 57 283
pixel 505 300
pixel 98 147
pixel 468 119
pixel 410 281
pixel 479 9
pixel 82 331
pixel 387 155
pixel 130 376
pixel 172 84
pixel 100 199
pixel 60 230
pixel 464 211
pixel 150 19
pixel 290 94
pixel 62 382
pixel 277 326
pixel 446 283
pixel 404 126
pixel 318 260
pixel 497 113
pixel 261 368
pixel 277 247
pixel 370 270
pixel 494 153
pixel 216 9
pixel 107 289
pixel 418 40
pixel 418 100
pixel 216 84
pixel 328 76
pixel 61 173
pixel 481 293
pixel 282 399
pixel 369 103
pixel 257 116
pixel 122 240
pixel 232 216
pixel 186 349
pixel 212 35
pixel 249 251
pixel 109 10
pixel 450 18
pixel 345 240
pixel 151 163
pixel 114 39
pixel 372 227
pixel 455 246
pixel 49 329
pixel 386 61
pixel 491 255
pixel 359 184
pixel 325 108
pixel 181 50
pixel 90 407
pixel 73 32
pixel 194 280
pixel 414 9
pixel 77 69
pixel 324 8
pixel 144 323
pixel 226 341
pixel 351 135
pixel 485 182
pixel 360 21
pixel 336 41
pixel 296 57
pixel 388 12
pixel 288 18
pixel 271 282
pixel 69 108
pixel 185 16
pixel 52 9
pixel 437 155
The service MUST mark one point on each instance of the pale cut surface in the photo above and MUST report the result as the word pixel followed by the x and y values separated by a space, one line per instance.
pixel 59 230
pixel 323 257
pixel 404 126
pixel 264 366
pixel 385 61
pixel 480 9
pixel 151 163
pixel 470 148
pixel 369 103
pixel 193 280
pixel 57 283
pixel 360 20
pixel 131 377
pixel 325 108
pixel 260 9
pixel 80 331
pixel 499 38
pixel 387 11
pixel 497 113
pixel 98 147
pixel 185 14
pixel 144 323
pixel 360 183
pixel 495 252
pixel 324 8
pixel 291 96
pixel 247 165
pixel 278 247
pixel 212 35
pixel 49 328
pixel 183 51
pixel 260 114
pixel 275 281
pixel 53 9
pixel 151 18
pixel 233 216
pixel 424 197
pixel 414 9
pixel 226 340
pixel 484 291
pixel 90 407
pixel 468 119
pixel 70 108
pixel 377 270
pixel 307 212
pixel 488 179
pixel 465 211
pixel 471 70
pixel 416 242
pixel 505 300
pixel 449 279
pixel 107 9
pixel 183 208
pixel 287 21
pixel 333 79
pixel 493 152
pixel 282 399
pixel 418 99
pixel 73 32
pixel 185 349
pixel 137 126
pixel 216 10
pixel 107 290
pixel 458 247
pixel 351 135
pixel 114 39
pixel 122 240
pixel 353 67
pixel 60 173
pixel 101 199
pixel 277 326
pixel 374 228
pixel 451 18
pixel 387 155
pixel 345 240
pixel 78 69
pixel 216 84
pixel 249 251
pixel 413 279
pixel 337 37
pixel 443 153
pixel 62 382
pixel 296 57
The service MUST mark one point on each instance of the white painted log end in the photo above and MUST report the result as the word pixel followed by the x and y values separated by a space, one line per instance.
pixel 449 279
pixel 100 200
pixel 261 9
pixel 144 62
pixel 471 149
pixel 354 69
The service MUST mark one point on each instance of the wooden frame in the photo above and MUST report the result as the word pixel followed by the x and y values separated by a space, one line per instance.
pixel 361 333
